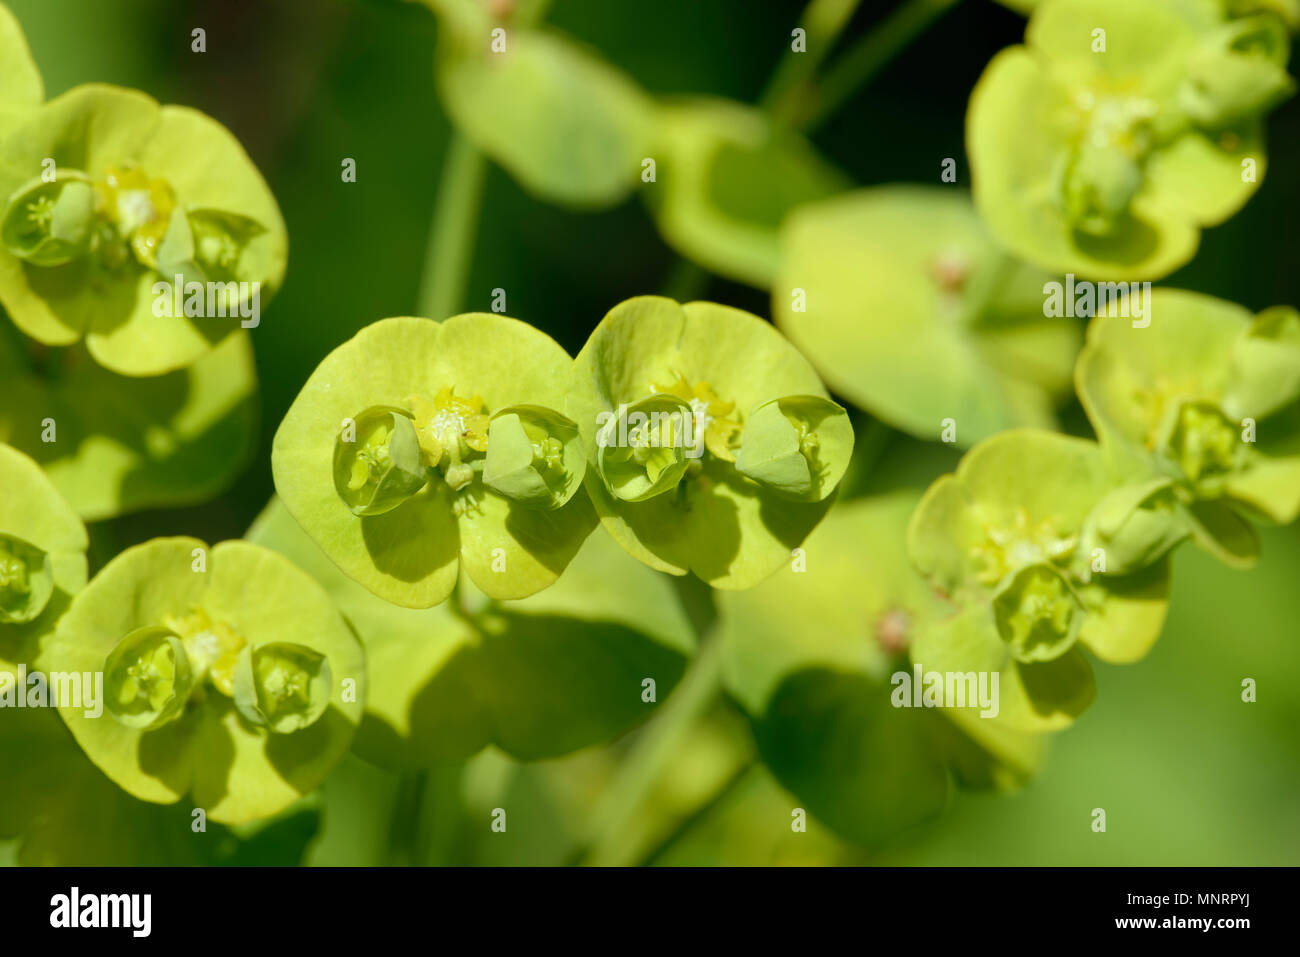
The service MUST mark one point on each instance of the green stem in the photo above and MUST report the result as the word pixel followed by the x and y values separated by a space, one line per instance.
pixel 453 232
pixel 404 827
pixel 700 812
pixel 823 21
pixel 616 843
pixel 860 64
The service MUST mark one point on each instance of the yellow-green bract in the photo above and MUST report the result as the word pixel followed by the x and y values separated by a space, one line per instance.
pixel 731 530
pixel 115 444
pixel 1104 144
pixel 814 656
pixel 186 612
pixel 1006 539
pixel 1200 414
pixel 567 668
pixel 116 210
pixel 42 559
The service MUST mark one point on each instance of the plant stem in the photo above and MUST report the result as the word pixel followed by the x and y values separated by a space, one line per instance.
pixel 615 841
pixel 404 827
pixel 454 229
pixel 699 813
pixel 868 57
pixel 822 22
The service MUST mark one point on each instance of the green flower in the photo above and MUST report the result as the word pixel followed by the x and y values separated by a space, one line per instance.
pixel 813 655
pixel 138 195
pixel 1007 539
pixel 137 443
pixel 721 484
pixel 561 670
pixel 905 306
pixel 1107 163
pixel 403 457
pixel 1201 414
pixel 42 558
pixel 173 626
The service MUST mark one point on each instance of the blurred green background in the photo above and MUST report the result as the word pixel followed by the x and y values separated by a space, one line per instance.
pixel 1187 772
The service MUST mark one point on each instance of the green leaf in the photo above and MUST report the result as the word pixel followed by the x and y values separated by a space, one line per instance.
pixel 904 304
pixel 727 529
pixel 20 80
pixel 540 677
pixel 451 377
pixel 167 161
pixel 1032 696
pixel 42 558
pixel 811 655
pixel 725 178
pixel 124 444
pixel 565 124
pixel 217 601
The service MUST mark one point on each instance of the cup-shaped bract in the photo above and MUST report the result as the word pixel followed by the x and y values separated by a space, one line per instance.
pixel 1006 538
pixel 798 446
pixel 643 449
pixel 26 580
pixel 378 463
pixel 50 223
pixel 42 558
pixel 143 442
pixel 818 657
pixel 187 612
pixel 903 303
pixel 1202 406
pixel 147 678
pixel 728 529
pixel 145 230
pixel 534 456
pixel 1119 130
pixel 282 686
pixel 451 377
